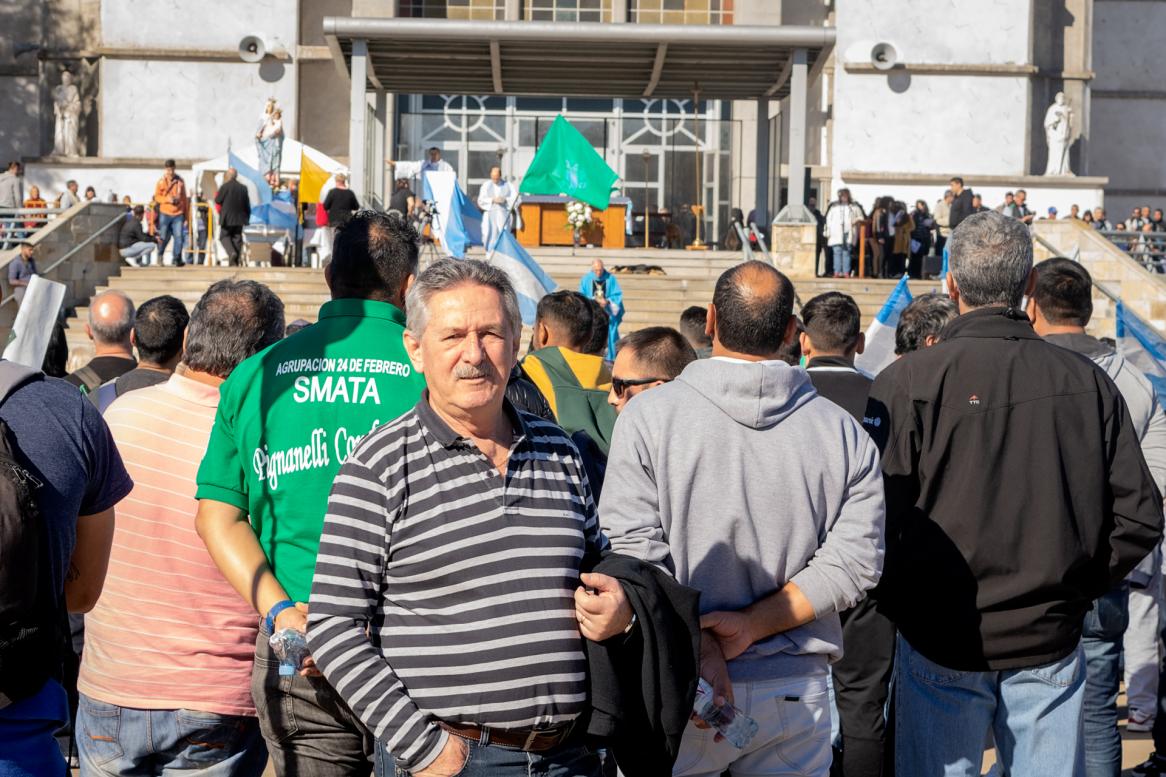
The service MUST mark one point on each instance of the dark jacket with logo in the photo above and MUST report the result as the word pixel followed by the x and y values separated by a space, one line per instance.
pixel 836 379
pixel 1016 493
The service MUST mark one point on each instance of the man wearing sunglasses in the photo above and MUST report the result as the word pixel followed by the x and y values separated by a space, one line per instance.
pixel 645 359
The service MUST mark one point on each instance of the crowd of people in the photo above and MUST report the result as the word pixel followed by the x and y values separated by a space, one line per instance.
pixel 897 239
pixel 386 542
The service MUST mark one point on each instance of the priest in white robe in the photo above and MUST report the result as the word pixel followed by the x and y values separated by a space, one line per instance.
pixel 495 199
pixel 419 169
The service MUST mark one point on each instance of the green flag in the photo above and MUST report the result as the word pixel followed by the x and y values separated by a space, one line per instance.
pixel 567 164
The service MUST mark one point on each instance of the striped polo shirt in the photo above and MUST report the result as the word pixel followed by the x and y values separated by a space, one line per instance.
pixel 465 579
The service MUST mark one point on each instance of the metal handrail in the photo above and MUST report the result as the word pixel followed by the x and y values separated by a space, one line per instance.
pixel 1057 252
pixel 69 254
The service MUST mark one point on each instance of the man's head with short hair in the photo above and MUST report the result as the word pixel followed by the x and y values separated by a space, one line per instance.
pixel 1157 214
pixel 71 185
pixel 159 326
pixel 434 153
pixel 921 322
pixel 373 257
pixel 991 261
pixel 341 179
pixel 752 311
pixel 564 319
pixel 111 320
pixel 495 173
pixel 462 334
pixel 1062 299
pixel 1144 212
pixel 230 175
pixel 948 196
pixel 693 325
pixel 977 200
pixel 169 165
pixel 232 321
pixel 957 184
pixel 833 326
pixel 26 250
pixel 645 359
pixel 1021 196
pixel 597 344
pixel 138 212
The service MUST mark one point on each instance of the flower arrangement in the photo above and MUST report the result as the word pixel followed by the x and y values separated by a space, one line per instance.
pixel 578 214
pixel 578 219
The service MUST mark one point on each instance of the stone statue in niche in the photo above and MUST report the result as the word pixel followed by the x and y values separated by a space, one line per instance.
pixel 67 112
pixel 1058 133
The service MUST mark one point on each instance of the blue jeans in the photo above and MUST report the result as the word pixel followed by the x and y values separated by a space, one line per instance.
pixel 113 741
pixel 841 258
pixel 570 760
pixel 942 717
pixel 169 226
pixel 1101 640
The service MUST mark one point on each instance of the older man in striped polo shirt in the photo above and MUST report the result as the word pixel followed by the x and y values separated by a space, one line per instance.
pixel 446 608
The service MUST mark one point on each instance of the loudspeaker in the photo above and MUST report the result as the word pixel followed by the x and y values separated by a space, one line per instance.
pixel 252 48
pixel 884 56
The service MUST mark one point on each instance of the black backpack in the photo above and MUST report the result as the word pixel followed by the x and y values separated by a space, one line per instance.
pixel 30 615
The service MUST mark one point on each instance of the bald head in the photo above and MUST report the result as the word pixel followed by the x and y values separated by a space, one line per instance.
pixel 752 311
pixel 111 319
pixel 597 267
pixel 231 174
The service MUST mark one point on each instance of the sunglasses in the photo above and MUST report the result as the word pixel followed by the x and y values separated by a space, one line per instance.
pixel 619 385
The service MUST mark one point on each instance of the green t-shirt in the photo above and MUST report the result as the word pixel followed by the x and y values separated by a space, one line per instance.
pixel 288 417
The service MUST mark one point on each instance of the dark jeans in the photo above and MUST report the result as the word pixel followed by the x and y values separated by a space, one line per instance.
pixel 861 682
pixel 569 760
pixel 310 731
pixel 232 240
pixel 1101 640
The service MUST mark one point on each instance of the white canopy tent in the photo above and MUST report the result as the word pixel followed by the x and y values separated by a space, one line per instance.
pixel 207 175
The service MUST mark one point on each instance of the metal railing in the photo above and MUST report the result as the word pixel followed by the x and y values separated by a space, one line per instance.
pixel 20 223
pixel 118 219
pixel 1146 248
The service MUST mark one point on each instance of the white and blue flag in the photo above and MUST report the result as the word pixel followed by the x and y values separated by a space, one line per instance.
pixel 258 189
pixel 880 335
pixel 457 222
pixel 530 280
pixel 279 212
pixel 1142 347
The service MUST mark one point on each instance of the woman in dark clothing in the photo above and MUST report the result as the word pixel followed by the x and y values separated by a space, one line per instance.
pixel 920 239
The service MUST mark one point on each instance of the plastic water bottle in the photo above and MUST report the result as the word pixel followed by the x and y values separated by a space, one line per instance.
pixel 733 725
pixel 291 647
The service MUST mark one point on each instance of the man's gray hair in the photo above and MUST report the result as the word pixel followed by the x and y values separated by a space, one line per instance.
pixel 991 259
pixel 232 321
pixel 107 330
pixel 447 274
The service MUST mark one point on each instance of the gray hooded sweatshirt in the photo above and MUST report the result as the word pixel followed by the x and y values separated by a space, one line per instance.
pixel 738 477
pixel 1145 414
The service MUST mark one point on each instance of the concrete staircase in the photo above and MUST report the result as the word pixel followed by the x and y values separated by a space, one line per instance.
pixel 650 300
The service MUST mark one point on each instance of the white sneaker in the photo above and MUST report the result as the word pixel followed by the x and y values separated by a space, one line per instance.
pixel 1142 722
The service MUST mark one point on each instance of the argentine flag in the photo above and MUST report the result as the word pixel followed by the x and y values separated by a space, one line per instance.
pixel 458 222
pixel 279 212
pixel 1142 347
pixel 880 335
pixel 530 280
pixel 258 190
